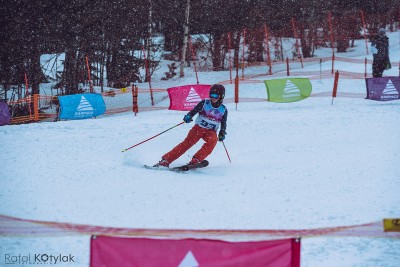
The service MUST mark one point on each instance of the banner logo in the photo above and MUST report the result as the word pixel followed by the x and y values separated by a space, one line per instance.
pixel 192 99
pixel 84 105
pixel 84 108
pixel 290 90
pixel 193 96
pixel 390 91
pixel 189 261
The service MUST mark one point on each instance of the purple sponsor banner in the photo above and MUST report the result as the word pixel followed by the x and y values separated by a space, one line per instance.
pixel 383 89
pixel 5 117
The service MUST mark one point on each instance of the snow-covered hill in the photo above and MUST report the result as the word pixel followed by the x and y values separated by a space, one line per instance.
pixel 300 165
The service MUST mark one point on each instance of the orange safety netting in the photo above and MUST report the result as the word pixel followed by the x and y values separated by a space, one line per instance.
pixel 46 108
pixel 11 227
pixel 38 108
pixel 323 59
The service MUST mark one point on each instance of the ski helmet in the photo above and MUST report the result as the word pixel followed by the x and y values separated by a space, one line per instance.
pixel 217 89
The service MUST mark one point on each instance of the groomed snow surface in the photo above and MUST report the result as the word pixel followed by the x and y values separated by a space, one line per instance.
pixel 301 165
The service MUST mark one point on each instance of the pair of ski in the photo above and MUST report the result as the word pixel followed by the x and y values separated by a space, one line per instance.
pixel 182 168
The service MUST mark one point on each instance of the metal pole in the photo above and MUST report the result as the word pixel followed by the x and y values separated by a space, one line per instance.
pixel 153 137
pixel 226 151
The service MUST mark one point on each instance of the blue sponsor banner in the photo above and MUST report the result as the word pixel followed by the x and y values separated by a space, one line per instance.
pixel 383 89
pixel 81 106
pixel 5 117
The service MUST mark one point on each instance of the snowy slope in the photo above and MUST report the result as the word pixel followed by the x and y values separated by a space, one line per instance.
pixel 301 165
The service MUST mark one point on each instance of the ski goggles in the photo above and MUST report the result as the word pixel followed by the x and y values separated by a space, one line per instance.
pixel 216 96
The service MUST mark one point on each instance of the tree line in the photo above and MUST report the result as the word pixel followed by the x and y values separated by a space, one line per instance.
pixel 109 32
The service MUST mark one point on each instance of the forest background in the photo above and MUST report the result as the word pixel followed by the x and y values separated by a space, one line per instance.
pixel 116 36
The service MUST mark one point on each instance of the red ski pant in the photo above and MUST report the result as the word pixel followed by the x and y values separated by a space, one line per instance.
pixel 194 135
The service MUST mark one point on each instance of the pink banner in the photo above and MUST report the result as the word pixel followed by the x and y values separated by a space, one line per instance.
pixel 108 251
pixel 187 96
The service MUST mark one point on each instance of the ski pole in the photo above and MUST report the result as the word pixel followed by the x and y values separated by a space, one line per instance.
pixel 153 137
pixel 226 151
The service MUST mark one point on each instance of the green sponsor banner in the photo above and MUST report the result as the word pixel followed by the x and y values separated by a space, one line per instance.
pixel 288 90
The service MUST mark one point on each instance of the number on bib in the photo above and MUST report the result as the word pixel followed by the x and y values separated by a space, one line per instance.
pixel 208 125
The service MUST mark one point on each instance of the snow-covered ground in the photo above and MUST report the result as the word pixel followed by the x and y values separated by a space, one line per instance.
pixel 301 165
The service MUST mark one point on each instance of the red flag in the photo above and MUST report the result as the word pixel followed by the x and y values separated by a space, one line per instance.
pixel 187 96
pixel 118 251
pixel 335 84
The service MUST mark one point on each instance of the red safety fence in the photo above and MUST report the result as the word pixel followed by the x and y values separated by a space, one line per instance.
pixel 33 109
pixel 12 226
pixel 38 108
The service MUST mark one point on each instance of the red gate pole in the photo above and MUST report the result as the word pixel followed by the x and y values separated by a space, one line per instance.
pixel 320 68
pixel 36 107
pixel 135 107
pixel 236 91
pixel 335 85
pixel 237 77
pixel 287 67
pixel 365 72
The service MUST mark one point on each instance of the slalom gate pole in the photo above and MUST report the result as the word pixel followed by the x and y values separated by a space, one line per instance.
pixel 320 68
pixel 335 85
pixel 226 151
pixel 153 137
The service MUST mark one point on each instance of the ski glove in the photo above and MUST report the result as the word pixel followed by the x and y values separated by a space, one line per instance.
pixel 187 118
pixel 221 135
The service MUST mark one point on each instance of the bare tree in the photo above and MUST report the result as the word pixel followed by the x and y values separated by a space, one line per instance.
pixel 185 39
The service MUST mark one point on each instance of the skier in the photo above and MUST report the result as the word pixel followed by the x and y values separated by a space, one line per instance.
pixel 380 51
pixel 212 115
